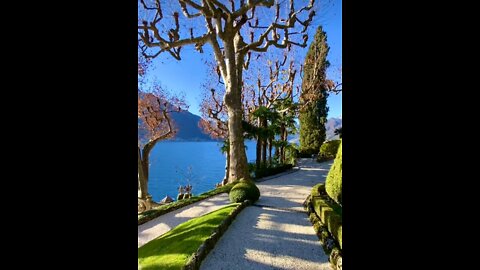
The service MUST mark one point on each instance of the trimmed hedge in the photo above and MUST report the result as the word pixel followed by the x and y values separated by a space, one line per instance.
pixel 329 213
pixel 245 190
pixel 333 184
pixel 305 154
pixel 328 150
pixel 263 172
pixel 163 209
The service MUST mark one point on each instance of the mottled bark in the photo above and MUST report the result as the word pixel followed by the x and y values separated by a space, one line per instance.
pixel 233 101
pixel 227 168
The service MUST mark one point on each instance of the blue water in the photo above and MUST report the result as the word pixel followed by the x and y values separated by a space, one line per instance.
pixel 172 163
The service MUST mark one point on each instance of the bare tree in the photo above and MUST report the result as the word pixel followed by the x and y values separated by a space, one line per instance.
pixel 155 124
pixel 226 25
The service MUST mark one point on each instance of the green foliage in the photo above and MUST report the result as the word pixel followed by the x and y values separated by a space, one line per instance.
pixel 328 211
pixel 338 131
pixel 328 150
pixel 245 190
pixel 314 92
pixel 291 154
pixel 305 153
pixel 333 183
pixel 163 209
pixel 172 249
pixel 318 189
pixel 264 171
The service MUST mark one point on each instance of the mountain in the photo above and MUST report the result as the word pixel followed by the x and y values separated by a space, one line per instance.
pixel 331 125
pixel 188 129
pixel 186 124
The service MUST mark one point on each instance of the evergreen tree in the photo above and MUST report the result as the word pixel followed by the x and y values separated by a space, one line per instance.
pixel 313 114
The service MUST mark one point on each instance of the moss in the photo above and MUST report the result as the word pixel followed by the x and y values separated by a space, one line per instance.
pixel 333 184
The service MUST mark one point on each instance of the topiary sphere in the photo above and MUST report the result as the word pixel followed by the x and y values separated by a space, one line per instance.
pixel 244 190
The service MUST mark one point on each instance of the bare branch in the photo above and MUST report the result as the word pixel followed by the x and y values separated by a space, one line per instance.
pixel 185 12
pixel 221 6
pixel 216 49
pixel 290 23
pixel 250 5
pixel 193 4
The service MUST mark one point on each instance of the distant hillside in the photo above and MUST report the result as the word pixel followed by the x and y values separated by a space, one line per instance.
pixel 331 125
pixel 186 125
pixel 188 128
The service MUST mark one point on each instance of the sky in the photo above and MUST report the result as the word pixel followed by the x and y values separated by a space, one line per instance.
pixel 190 73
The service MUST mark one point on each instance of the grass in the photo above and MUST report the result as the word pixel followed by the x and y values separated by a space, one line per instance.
pixel 173 249
pixel 163 209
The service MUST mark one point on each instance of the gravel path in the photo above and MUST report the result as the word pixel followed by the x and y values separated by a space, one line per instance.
pixel 275 233
pixel 158 226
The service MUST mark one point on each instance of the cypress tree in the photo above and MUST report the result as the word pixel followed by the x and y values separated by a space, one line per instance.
pixel 313 115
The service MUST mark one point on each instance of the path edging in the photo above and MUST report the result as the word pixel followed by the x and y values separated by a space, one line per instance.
pixel 180 204
pixel 329 244
pixel 198 256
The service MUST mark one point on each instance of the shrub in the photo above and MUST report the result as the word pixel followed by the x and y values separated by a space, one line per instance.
pixel 328 211
pixel 333 184
pixel 318 189
pixel 305 154
pixel 328 150
pixel 245 190
pixel 271 170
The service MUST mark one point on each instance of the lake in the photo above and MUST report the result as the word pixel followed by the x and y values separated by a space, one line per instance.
pixel 172 163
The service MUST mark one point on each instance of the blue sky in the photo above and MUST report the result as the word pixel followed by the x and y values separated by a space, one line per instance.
pixel 190 73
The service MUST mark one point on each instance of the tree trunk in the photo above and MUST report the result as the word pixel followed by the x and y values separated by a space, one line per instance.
pixel 283 139
pixel 270 150
pixel 277 152
pixel 284 150
pixel 227 166
pixel 259 147
pixel 264 144
pixel 142 178
pixel 233 101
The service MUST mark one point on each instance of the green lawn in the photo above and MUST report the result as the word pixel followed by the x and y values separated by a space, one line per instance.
pixel 161 210
pixel 172 250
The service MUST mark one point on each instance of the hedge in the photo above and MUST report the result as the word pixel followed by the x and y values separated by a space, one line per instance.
pixel 245 190
pixel 328 150
pixel 333 184
pixel 263 172
pixel 329 213
pixel 163 209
